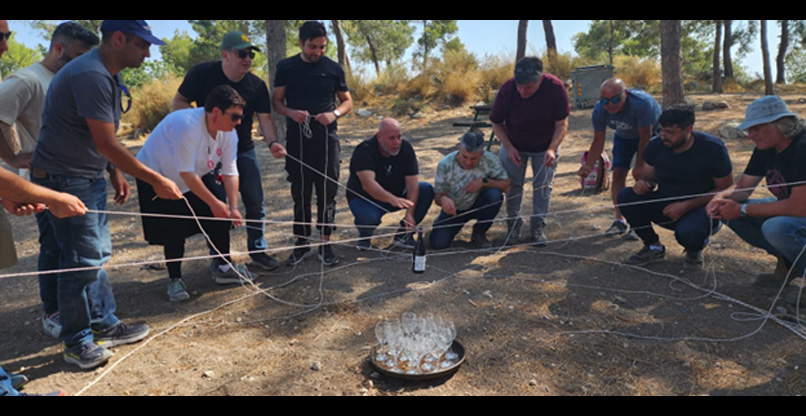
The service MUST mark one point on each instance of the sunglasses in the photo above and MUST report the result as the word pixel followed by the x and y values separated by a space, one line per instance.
pixel 5 35
pixel 244 53
pixel 612 100
pixel 125 99
pixel 235 117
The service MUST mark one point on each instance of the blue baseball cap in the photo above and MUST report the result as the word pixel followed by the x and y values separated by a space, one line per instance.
pixel 135 27
pixel 765 110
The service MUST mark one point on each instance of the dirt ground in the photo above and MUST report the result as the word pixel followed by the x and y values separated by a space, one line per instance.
pixel 566 319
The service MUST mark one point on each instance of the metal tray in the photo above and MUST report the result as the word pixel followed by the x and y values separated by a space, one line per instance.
pixel 457 348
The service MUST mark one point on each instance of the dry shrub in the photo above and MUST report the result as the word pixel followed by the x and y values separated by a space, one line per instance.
pixel 638 73
pixel 151 103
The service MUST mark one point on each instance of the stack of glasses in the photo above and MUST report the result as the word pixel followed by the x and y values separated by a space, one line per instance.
pixel 415 344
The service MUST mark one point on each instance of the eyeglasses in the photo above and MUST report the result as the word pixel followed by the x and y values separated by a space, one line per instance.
pixel 243 53
pixel 5 35
pixel 125 99
pixel 611 100
pixel 235 117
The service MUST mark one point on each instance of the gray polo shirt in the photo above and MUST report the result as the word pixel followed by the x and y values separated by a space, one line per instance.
pixel 83 89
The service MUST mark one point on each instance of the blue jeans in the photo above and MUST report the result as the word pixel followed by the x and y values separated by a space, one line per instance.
pixel 368 214
pixel 5 384
pixel 623 151
pixel 541 186
pixel 251 189
pixel 691 231
pixel 484 210
pixel 84 298
pixel 779 236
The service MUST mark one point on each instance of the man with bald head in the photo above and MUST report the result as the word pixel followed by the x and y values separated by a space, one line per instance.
pixel 633 115
pixel 384 177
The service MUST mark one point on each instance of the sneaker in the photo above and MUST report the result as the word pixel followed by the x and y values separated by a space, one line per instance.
pixel 513 232
pixel 537 238
pixel 299 254
pixel 17 380
pixel 364 244
pixel 87 356
pixel 646 255
pixel 775 279
pixel 177 291
pixel 264 261
pixel 51 324
pixel 327 256
pixel 51 393
pixel 694 260
pixel 120 334
pixel 404 240
pixel 618 228
pixel 479 240
pixel 631 236
pixel 234 274
pixel 796 296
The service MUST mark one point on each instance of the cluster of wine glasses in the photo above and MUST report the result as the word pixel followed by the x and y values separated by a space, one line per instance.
pixel 415 344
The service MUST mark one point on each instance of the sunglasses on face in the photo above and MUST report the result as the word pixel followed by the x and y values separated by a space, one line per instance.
pixel 244 53
pixel 5 35
pixel 612 100
pixel 235 117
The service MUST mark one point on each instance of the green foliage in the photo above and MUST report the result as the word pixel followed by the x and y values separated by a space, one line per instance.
pixel 18 57
pixel 378 41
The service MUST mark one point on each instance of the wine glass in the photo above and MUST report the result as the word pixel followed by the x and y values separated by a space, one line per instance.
pixel 380 335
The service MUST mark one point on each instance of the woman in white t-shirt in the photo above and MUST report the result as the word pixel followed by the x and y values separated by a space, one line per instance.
pixel 197 149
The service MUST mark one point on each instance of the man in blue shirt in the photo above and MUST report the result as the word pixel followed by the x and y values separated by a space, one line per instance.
pixel 77 143
pixel 633 115
pixel 682 168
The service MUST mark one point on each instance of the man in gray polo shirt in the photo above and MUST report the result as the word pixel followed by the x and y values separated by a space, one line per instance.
pixel 76 144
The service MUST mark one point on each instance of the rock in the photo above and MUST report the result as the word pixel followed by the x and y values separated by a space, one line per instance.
pixel 208 374
pixel 363 112
pixel 715 105
pixel 316 366
pixel 730 130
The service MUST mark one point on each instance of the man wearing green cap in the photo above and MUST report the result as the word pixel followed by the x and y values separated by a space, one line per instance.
pixel 234 69
pixel 776 224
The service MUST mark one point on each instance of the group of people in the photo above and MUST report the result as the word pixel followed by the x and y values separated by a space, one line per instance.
pixel 58 123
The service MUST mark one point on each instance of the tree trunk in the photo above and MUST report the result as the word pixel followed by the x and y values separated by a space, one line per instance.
pixel 717 73
pixel 341 47
pixel 780 65
pixel 671 63
pixel 275 52
pixel 765 57
pixel 521 51
pixel 374 56
pixel 612 41
pixel 727 59
pixel 551 41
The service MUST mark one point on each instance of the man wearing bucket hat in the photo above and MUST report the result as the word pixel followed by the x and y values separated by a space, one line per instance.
pixel 530 117
pixel 77 142
pixel 234 69
pixel 776 224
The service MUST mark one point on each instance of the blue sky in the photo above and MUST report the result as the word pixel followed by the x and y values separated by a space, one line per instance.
pixel 493 37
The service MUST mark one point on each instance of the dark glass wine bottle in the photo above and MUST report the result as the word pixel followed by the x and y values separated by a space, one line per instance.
pixel 418 259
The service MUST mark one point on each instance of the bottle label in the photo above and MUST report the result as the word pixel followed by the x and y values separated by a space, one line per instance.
pixel 419 263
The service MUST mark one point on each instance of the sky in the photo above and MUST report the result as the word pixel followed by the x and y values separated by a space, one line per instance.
pixel 482 37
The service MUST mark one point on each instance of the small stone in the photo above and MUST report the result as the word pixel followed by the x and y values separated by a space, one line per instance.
pixel 316 366
pixel 208 374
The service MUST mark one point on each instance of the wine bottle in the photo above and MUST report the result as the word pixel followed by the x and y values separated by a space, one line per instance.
pixel 418 259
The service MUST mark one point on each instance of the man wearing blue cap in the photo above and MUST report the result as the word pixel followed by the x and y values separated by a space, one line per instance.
pixel 77 143
pixel 776 224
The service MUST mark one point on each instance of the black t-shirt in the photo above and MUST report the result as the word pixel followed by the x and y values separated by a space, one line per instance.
pixel 310 86
pixel 692 172
pixel 780 168
pixel 390 172
pixel 204 77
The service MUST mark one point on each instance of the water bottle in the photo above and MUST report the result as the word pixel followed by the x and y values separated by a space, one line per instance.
pixel 418 259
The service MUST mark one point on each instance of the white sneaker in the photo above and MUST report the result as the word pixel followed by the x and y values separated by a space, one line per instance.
pixel 51 324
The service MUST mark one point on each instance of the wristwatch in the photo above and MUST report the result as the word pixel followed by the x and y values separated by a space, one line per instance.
pixel 484 182
pixel 743 211
pixel 337 113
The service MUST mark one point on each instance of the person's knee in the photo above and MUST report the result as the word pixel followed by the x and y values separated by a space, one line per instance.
pixel 439 240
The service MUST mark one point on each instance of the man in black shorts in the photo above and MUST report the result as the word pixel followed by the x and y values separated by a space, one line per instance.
pixel 305 88
pixel 234 70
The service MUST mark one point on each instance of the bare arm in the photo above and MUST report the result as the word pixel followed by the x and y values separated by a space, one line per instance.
pixel 560 130
pixel 180 102
pixel 10 148
pixel 596 149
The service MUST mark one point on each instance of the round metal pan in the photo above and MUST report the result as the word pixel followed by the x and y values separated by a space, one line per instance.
pixel 457 348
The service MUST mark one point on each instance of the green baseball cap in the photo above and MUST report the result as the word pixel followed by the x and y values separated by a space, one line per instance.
pixel 237 40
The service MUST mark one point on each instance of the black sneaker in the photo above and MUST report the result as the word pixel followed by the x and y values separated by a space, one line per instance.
pixel 404 240
pixel 301 251
pixel 618 228
pixel 264 261
pixel 120 334
pixel 537 238
pixel 776 279
pixel 87 356
pixel 480 240
pixel 694 260
pixel 646 255
pixel 327 256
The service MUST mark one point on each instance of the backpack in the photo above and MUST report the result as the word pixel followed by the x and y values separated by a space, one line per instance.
pixel 599 178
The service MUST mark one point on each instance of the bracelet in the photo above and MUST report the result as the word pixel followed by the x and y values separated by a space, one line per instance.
pixel 271 143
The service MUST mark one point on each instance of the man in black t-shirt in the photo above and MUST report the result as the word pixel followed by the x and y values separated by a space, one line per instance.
pixel 776 224
pixel 305 88
pixel 384 178
pixel 234 70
